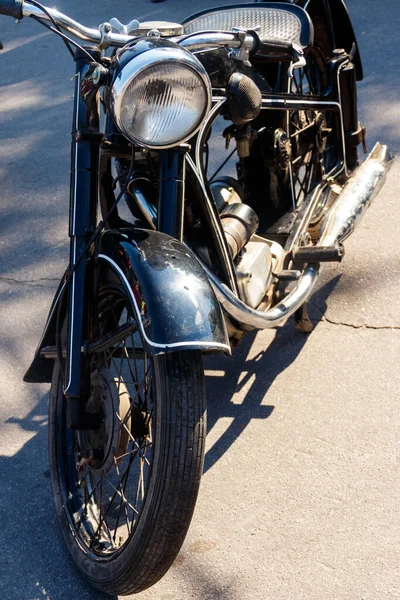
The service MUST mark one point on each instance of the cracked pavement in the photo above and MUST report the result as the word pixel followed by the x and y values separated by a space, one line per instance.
pixel 300 493
pixel 352 325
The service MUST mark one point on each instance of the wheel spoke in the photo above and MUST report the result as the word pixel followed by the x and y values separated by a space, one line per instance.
pixel 135 451
pixel 132 438
pixel 121 503
pixel 120 494
pixel 140 487
pixel 132 400
pixel 109 490
pixel 91 494
pixel 135 377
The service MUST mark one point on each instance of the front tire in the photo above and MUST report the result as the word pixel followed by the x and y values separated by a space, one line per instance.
pixel 125 492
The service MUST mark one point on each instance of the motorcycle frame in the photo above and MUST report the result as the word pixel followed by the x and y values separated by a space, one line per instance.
pixel 175 166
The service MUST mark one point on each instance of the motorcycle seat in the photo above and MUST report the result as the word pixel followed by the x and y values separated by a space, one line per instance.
pixel 273 21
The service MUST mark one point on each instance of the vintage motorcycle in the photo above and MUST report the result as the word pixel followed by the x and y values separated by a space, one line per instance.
pixel 197 259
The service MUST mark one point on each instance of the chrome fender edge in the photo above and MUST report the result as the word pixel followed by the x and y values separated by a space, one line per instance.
pixel 183 312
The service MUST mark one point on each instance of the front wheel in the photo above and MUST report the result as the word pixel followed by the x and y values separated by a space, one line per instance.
pixel 125 492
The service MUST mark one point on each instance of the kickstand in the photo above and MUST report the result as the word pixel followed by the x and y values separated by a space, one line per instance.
pixel 302 321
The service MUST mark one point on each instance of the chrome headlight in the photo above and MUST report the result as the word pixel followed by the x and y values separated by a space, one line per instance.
pixel 160 96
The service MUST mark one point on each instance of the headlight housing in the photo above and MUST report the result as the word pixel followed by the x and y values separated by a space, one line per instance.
pixel 160 96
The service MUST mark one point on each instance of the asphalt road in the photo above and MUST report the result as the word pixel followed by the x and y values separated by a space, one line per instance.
pixel 300 496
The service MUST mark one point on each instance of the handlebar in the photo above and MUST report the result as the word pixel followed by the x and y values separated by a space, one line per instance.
pixel 73 27
pixel 19 9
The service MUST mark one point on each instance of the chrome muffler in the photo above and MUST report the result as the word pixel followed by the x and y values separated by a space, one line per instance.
pixel 356 196
pixel 347 212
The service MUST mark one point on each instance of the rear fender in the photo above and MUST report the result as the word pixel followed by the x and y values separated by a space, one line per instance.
pixel 342 28
pixel 343 35
pixel 178 308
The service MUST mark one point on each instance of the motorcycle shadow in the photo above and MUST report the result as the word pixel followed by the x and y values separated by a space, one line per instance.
pixel 35 563
pixel 237 387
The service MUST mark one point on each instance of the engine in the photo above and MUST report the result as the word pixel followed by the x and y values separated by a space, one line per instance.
pixel 252 254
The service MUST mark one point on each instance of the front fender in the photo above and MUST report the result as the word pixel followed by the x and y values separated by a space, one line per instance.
pixel 41 368
pixel 181 309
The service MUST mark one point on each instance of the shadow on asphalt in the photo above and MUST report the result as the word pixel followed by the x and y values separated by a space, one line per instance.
pixel 263 368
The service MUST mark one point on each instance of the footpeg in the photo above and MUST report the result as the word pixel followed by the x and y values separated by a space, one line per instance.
pixel 317 254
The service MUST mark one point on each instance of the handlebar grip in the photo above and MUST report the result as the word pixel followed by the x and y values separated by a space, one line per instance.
pixel 12 8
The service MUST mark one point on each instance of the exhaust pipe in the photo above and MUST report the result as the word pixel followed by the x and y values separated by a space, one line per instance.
pixel 340 222
pixel 356 197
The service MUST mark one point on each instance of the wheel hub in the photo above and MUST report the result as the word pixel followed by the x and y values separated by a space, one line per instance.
pixel 106 445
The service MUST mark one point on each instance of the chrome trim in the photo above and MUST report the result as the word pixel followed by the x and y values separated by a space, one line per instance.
pixel 289 90
pixel 199 146
pixel 272 317
pixel 124 29
pixel 217 225
pixel 71 338
pixel 341 221
pixel 198 168
pixel 299 63
pixel 356 196
pixel 304 215
pixel 341 67
pixel 246 46
pixel 142 62
pixel 292 104
pixel 148 210
pixel 128 288
pixel 163 29
pixel 73 27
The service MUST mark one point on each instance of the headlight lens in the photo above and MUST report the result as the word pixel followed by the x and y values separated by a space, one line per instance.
pixel 163 102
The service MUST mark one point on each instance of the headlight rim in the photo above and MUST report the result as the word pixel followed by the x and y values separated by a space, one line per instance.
pixel 150 58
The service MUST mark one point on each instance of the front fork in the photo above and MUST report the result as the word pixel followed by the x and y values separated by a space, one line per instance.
pixel 82 221
pixel 171 193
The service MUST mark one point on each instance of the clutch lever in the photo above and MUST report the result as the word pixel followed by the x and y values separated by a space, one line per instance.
pixel 278 49
pixel 299 60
